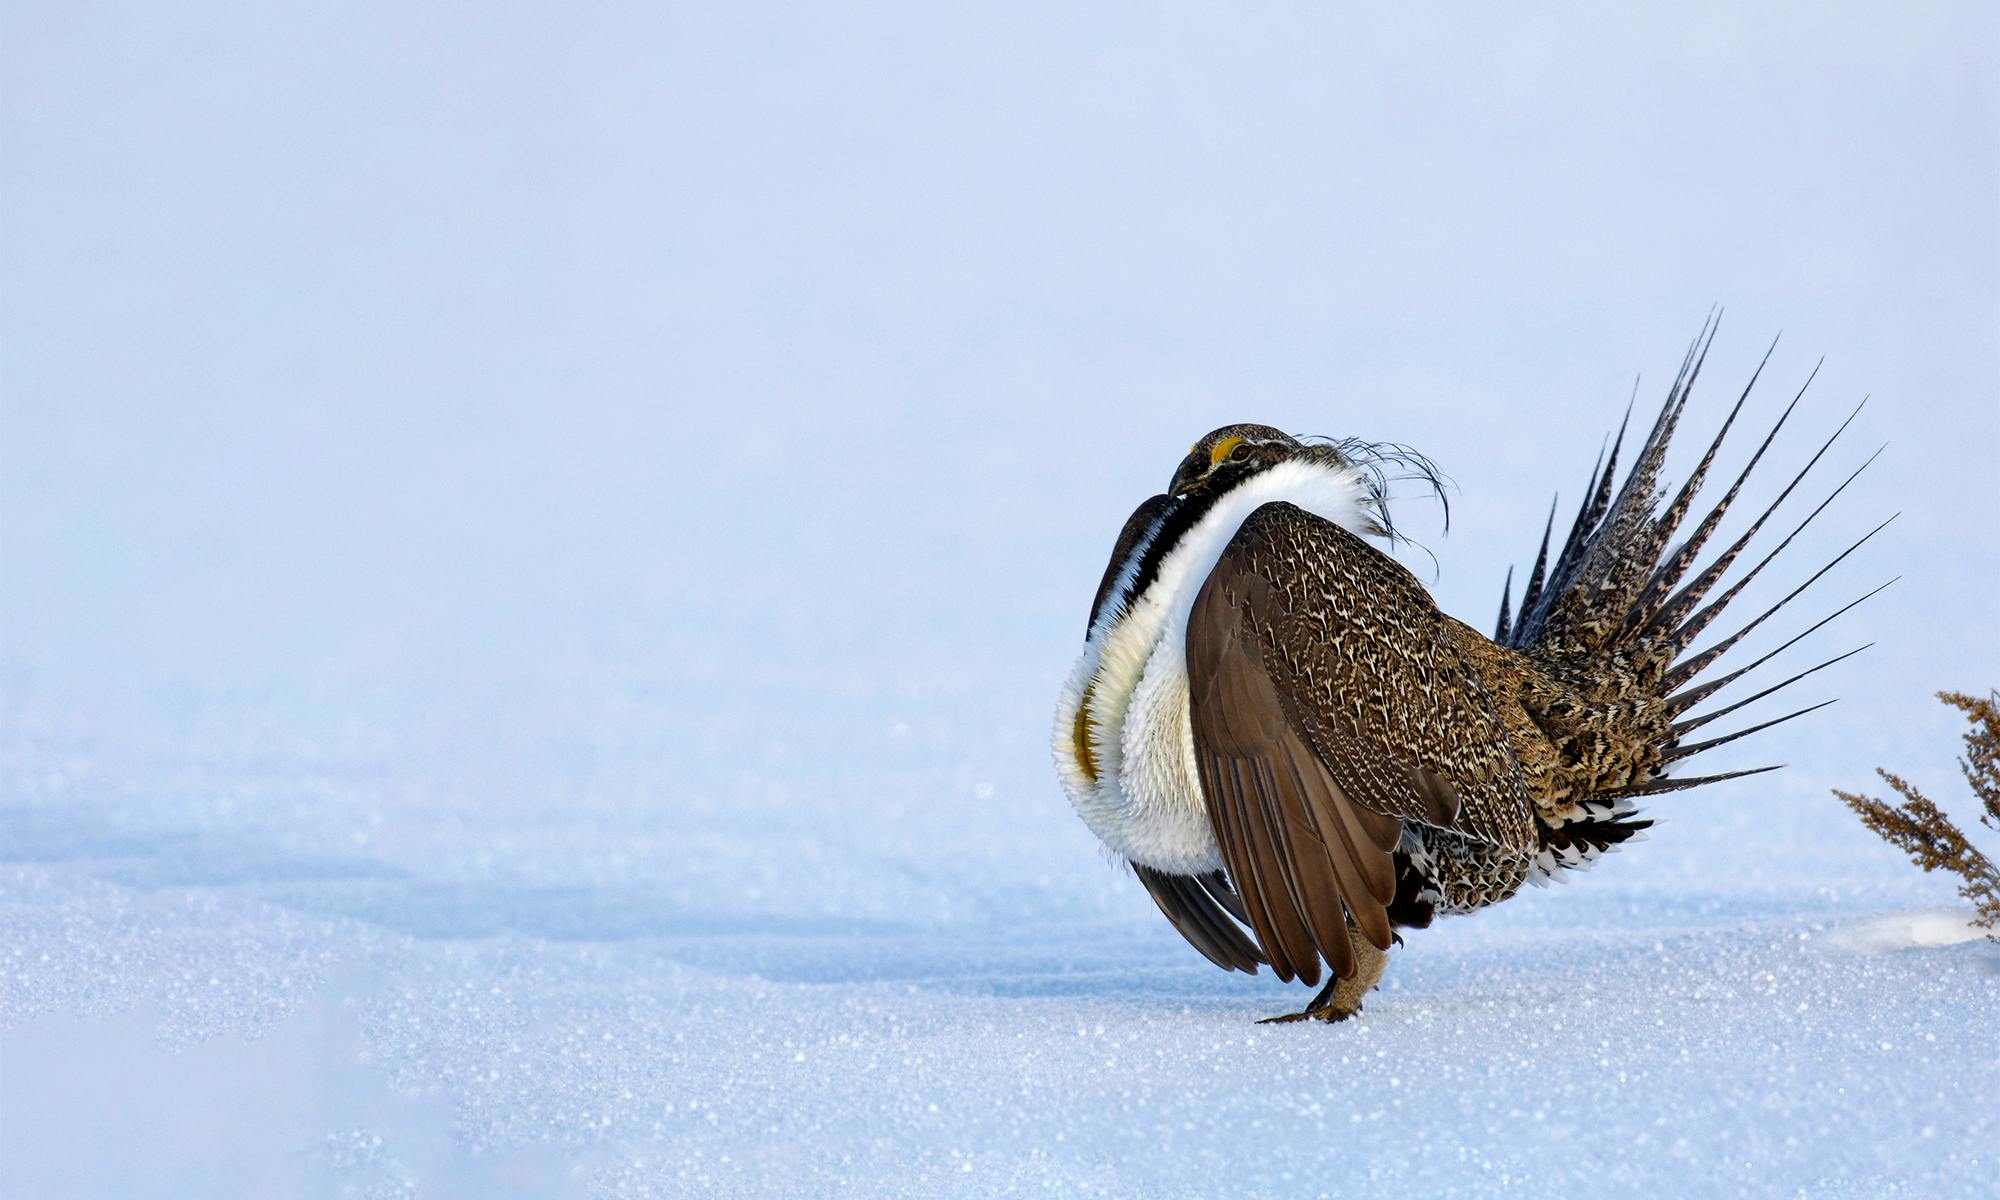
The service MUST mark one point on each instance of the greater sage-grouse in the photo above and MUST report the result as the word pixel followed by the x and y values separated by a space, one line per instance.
pixel 1299 754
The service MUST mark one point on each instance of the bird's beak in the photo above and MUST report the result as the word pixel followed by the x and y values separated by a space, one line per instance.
pixel 1185 475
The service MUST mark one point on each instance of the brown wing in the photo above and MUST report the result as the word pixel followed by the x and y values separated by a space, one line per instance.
pixel 1329 706
pixel 1200 908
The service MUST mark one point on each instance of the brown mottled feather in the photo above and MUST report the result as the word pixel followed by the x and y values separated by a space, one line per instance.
pixel 1331 704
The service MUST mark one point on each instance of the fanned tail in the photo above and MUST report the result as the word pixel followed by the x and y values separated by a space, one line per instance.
pixel 1610 623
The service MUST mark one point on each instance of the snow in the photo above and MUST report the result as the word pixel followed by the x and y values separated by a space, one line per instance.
pixel 537 553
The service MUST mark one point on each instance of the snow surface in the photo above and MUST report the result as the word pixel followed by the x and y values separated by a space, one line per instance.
pixel 537 547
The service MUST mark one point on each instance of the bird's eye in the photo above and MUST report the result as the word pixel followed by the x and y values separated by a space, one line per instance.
pixel 1241 453
pixel 1229 449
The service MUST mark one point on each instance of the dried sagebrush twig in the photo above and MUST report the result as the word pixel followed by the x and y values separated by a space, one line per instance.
pixel 1921 830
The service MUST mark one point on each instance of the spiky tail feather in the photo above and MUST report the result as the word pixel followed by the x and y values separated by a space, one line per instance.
pixel 1611 621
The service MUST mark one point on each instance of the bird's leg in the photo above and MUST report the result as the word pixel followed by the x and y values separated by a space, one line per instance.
pixel 1341 998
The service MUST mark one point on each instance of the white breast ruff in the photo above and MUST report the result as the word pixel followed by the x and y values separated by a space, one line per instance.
pixel 1144 802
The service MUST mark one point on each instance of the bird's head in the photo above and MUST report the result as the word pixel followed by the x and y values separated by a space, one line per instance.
pixel 1229 455
pixel 1234 453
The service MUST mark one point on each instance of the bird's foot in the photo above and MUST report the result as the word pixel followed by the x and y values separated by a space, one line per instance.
pixel 1341 997
pixel 1329 1013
